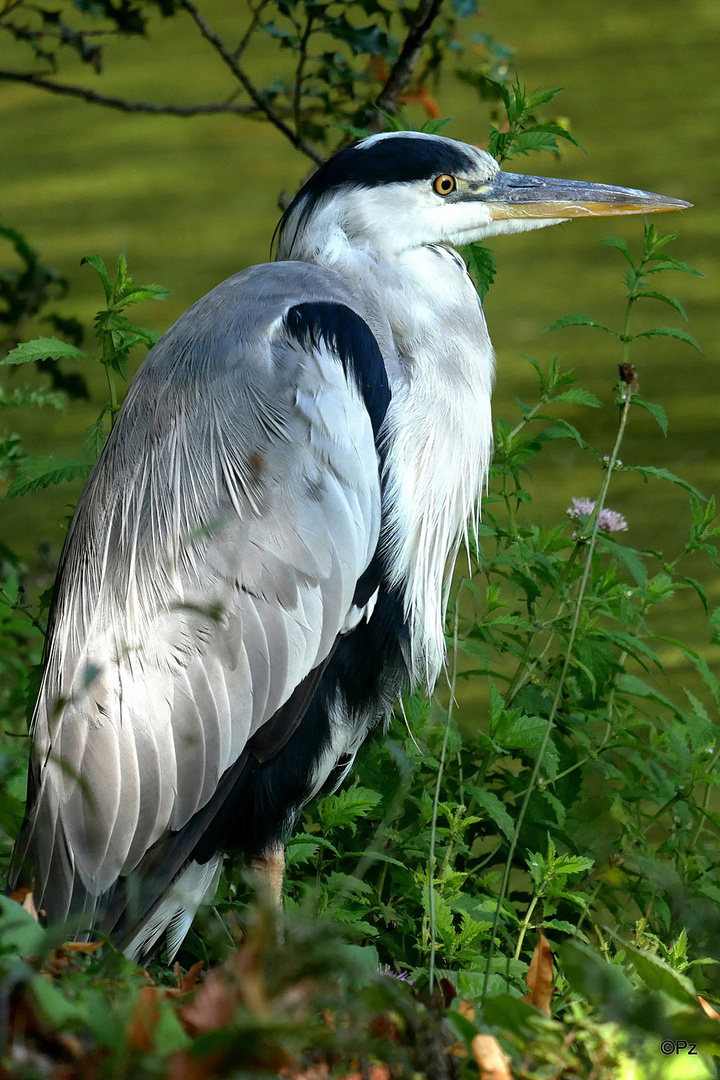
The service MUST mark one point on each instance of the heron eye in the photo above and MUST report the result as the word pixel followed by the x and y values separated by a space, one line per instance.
pixel 444 185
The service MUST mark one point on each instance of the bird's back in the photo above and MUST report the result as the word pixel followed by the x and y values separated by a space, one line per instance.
pixel 210 570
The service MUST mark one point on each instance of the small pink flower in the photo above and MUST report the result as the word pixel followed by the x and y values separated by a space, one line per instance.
pixel 612 521
pixel 580 508
pixel 401 976
pixel 609 520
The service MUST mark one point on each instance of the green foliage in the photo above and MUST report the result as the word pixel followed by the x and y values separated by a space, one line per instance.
pixel 520 132
pixel 116 338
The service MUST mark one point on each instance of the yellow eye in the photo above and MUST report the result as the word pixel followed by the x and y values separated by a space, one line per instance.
pixel 444 185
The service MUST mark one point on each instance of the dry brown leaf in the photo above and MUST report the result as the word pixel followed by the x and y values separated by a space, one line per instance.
pixel 490 1058
pixel 467 1009
pixel 24 897
pixel 376 1072
pixel 456 1049
pixel 319 1071
pixel 213 1008
pixel 64 959
pixel 82 946
pixel 539 978
pixel 186 982
pixel 708 1009
pixel 141 1029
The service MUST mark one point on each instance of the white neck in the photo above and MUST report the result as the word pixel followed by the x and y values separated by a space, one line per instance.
pixel 439 424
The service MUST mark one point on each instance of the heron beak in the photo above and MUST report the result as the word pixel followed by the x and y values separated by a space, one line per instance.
pixel 512 195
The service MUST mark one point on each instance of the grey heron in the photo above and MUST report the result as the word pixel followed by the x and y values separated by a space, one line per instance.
pixel 259 563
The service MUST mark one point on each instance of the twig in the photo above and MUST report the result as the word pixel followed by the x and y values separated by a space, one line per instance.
pixel 257 12
pixel 122 103
pixel 253 93
pixel 300 72
pixel 401 73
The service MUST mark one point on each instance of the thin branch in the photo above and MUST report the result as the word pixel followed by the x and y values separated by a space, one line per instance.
pixel 300 72
pixel 388 99
pixel 253 93
pixel 122 103
pixel 251 29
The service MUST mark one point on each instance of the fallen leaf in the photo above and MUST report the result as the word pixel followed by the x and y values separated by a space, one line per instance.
pixel 539 978
pixel 83 946
pixel 467 1010
pixel 708 1009
pixel 140 1032
pixel 375 1072
pixel 490 1058
pixel 213 1008
pixel 24 897
pixel 64 959
pixel 186 982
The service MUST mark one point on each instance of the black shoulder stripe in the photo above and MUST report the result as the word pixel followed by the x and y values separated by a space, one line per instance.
pixel 350 337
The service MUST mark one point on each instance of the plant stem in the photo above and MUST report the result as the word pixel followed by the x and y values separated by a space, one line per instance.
pixel 436 801
pixel 525 924
pixel 624 414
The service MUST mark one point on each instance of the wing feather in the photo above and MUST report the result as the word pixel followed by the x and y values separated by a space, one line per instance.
pixel 209 569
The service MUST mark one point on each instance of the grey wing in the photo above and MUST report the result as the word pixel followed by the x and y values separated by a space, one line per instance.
pixel 210 567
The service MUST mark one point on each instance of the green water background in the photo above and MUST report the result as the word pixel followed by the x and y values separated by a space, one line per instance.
pixel 193 201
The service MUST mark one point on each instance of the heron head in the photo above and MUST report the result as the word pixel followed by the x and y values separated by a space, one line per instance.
pixel 404 189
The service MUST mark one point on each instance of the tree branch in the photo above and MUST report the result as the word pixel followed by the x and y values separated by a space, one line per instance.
pixel 253 93
pixel 251 28
pixel 122 103
pixel 388 100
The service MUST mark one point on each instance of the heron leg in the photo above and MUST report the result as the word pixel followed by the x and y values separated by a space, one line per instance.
pixel 269 870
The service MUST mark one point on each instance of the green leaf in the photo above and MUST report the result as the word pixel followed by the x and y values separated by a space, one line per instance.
pixel 494 808
pixel 671 332
pixel 674 264
pixel 540 97
pixel 575 319
pixel 169 1036
pixel 664 474
pixel 616 242
pixel 344 809
pixel 658 975
pixel 562 430
pixel 482 266
pixel 44 348
pixel 298 852
pixel 664 298
pixel 630 684
pixel 699 589
pixel 99 266
pixel 628 556
pixel 527 142
pixel 356 132
pixel 57 1009
pixel 512 1013
pixel 578 396
pixel 19 932
pixel 589 974
pixel 699 664
pixel 142 292
pixel 434 127
pixel 560 132
pixel 655 410
pixel 36 473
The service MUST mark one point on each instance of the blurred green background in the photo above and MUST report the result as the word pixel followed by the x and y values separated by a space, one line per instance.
pixel 194 200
